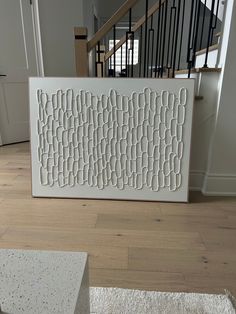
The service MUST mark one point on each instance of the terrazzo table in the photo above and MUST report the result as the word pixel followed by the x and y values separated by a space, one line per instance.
pixel 43 282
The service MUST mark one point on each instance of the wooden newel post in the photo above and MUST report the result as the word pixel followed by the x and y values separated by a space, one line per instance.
pixel 81 51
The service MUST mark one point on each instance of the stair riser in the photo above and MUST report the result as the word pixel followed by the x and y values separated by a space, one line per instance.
pixel 211 62
pixel 194 76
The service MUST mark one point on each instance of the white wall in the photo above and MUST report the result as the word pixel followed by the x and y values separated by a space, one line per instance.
pixel 220 9
pixel 57 21
pixel 221 176
pixel 203 125
pixel 107 8
pixel 89 11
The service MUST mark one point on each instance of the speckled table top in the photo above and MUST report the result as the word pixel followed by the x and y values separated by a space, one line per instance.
pixel 40 281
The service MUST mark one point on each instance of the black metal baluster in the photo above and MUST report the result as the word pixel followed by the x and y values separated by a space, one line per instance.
pixel 157 39
pixel 189 48
pixel 194 24
pixel 152 50
pixel 216 19
pixel 130 20
pixel 98 60
pixel 121 58
pixel 114 45
pixel 109 67
pixel 140 49
pixel 203 23
pixel 130 16
pixel 173 36
pixel 128 70
pixel 209 32
pixel 131 40
pixel 181 33
pixel 161 31
pixel 168 65
pixel 176 37
pixel 165 5
pixel 150 31
pixel 145 45
pixel 196 32
pixel 129 46
pixel 132 58
pixel 96 68
pixel 126 54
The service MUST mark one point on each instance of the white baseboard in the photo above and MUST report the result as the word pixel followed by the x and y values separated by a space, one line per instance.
pixel 212 184
pixel 219 184
pixel 196 180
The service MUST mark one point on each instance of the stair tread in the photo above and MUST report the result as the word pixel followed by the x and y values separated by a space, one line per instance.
pixel 198 70
pixel 218 34
pixel 211 48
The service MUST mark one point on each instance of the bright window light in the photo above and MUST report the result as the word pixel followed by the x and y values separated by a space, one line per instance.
pixel 121 55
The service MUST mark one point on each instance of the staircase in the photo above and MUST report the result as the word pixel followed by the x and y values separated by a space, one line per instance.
pixel 172 39
pixel 170 36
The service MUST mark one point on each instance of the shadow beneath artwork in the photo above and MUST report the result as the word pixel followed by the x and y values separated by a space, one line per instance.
pixel 198 197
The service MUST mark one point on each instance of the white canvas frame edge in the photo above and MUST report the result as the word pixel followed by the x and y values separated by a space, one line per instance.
pixel 67 83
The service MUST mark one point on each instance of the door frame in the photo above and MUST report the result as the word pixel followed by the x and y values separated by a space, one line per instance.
pixel 37 37
pixel 37 42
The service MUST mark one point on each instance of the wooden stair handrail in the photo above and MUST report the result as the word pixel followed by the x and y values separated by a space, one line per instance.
pixel 116 17
pixel 203 51
pixel 136 26
pixel 198 70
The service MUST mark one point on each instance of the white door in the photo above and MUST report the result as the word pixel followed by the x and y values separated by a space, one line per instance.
pixel 17 63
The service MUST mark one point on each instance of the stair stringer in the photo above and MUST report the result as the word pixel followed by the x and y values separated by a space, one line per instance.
pixel 206 85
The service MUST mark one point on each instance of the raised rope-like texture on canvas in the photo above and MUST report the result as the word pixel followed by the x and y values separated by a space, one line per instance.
pixel 111 140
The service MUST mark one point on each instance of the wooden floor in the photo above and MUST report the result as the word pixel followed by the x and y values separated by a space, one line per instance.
pixel 145 245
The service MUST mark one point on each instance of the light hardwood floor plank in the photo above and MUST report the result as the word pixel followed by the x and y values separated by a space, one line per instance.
pixel 223 239
pixel 159 281
pixel 100 257
pixel 183 261
pixel 162 222
pixel 117 238
pixel 131 244
pixel 216 283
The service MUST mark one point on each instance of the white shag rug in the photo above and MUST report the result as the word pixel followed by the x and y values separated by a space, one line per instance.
pixel 125 301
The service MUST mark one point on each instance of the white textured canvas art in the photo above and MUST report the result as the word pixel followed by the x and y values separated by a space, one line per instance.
pixel 111 138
